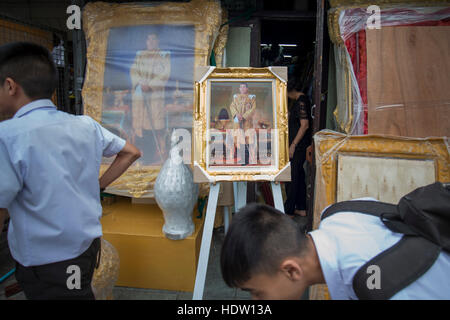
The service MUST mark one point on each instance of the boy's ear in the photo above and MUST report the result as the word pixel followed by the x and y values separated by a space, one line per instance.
pixel 11 86
pixel 291 269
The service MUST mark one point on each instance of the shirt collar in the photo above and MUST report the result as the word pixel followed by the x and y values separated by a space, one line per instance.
pixel 327 250
pixel 36 104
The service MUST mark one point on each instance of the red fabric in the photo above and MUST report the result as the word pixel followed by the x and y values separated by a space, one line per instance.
pixel 351 44
pixel 360 69
pixel 362 75
pixel 445 22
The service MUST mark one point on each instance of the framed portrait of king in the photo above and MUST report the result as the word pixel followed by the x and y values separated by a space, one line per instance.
pixel 140 76
pixel 240 127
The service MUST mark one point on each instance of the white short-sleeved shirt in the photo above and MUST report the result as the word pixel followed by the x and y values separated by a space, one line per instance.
pixel 345 241
pixel 49 169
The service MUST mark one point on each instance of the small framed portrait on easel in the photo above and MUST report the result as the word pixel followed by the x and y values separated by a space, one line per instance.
pixel 240 126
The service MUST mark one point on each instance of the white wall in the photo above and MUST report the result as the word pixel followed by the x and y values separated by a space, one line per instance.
pixel 238 47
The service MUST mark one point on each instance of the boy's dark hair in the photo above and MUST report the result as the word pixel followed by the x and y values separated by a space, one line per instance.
pixel 258 240
pixel 31 66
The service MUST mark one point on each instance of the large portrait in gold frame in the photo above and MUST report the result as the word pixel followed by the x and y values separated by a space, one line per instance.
pixel 179 37
pixel 240 125
pixel 377 166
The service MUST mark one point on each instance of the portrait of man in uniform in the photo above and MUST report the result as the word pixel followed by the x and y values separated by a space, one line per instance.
pixel 243 107
pixel 150 68
pixel 149 74
pixel 243 113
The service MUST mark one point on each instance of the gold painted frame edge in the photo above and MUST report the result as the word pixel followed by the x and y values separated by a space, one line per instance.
pixel 200 121
pixel 329 144
pixel 99 17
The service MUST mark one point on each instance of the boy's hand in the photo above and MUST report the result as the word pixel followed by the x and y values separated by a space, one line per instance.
pixel 123 160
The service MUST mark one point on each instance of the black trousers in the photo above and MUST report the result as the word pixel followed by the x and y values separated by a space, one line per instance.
pixel 296 189
pixel 65 280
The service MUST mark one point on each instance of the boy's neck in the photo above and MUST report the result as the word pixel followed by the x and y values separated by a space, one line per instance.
pixel 312 264
pixel 21 102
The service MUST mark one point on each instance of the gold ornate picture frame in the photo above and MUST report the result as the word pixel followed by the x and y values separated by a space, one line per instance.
pixel 381 167
pixel 240 125
pixel 331 147
pixel 105 24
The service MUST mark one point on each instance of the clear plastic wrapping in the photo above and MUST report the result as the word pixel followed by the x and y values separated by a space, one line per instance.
pixel 350 107
pixel 353 20
pixel 348 28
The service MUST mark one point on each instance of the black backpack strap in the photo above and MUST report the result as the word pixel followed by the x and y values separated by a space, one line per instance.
pixel 373 208
pixel 385 211
pixel 399 266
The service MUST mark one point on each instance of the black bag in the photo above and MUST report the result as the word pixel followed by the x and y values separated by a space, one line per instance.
pixel 423 217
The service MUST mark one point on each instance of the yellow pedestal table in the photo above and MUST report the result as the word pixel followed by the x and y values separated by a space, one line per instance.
pixel 147 258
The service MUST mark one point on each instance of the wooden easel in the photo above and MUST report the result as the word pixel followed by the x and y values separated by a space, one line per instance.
pixel 240 200
pixel 202 74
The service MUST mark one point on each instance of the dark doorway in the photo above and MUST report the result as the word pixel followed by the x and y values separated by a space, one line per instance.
pixel 290 44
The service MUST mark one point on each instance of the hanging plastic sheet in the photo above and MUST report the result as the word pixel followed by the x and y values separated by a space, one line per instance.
pixel 383 167
pixel 139 80
pixel 348 26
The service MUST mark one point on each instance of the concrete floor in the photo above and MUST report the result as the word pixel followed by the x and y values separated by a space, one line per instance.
pixel 215 287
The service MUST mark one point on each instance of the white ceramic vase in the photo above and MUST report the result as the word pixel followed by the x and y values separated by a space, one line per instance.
pixel 176 194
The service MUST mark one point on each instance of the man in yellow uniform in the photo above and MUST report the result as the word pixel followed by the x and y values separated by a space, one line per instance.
pixel 149 74
pixel 242 109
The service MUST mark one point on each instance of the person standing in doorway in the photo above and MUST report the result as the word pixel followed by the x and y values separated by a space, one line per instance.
pixel 299 139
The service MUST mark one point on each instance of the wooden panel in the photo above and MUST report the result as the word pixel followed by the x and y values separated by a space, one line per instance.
pixel 408 76
pixel 386 179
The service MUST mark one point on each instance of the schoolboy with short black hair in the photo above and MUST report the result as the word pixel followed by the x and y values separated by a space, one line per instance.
pixel 265 253
pixel 49 184
pixel 31 66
